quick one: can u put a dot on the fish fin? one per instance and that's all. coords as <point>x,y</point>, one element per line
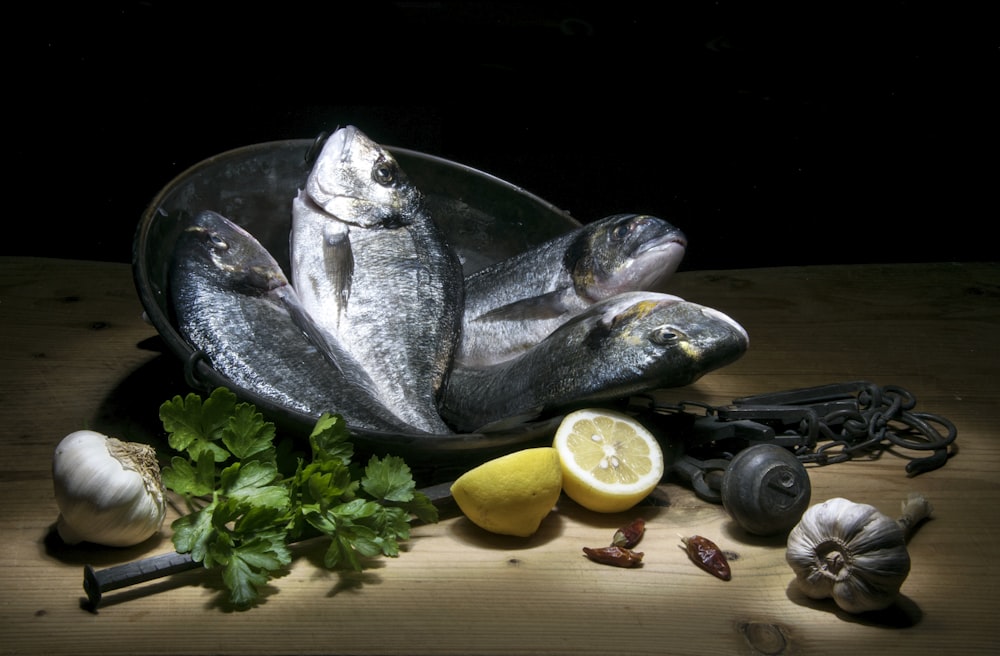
<point>329,344</point>
<point>544,306</point>
<point>338,259</point>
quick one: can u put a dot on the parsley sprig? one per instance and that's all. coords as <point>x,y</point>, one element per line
<point>249,499</point>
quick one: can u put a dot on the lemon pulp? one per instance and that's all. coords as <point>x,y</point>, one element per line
<point>610,461</point>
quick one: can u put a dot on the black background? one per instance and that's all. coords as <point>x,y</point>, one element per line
<point>771,135</point>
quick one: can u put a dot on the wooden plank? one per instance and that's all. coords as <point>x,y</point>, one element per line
<point>76,353</point>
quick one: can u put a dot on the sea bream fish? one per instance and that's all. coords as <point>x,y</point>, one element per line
<point>513,304</point>
<point>372,267</point>
<point>628,344</point>
<point>233,303</point>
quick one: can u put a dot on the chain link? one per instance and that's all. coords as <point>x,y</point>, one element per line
<point>821,425</point>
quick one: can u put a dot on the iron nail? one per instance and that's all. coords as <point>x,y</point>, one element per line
<point>97,582</point>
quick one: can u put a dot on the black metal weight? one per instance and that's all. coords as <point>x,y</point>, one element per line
<point>766,489</point>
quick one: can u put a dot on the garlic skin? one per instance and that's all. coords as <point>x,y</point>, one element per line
<point>852,552</point>
<point>108,491</point>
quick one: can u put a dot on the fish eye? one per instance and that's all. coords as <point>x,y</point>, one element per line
<point>218,242</point>
<point>621,230</point>
<point>384,173</point>
<point>664,335</point>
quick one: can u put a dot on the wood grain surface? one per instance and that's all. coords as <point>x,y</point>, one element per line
<point>76,353</point>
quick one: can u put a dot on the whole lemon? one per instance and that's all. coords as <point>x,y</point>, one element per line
<point>512,494</point>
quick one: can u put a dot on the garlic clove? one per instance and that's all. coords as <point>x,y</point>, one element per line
<point>108,491</point>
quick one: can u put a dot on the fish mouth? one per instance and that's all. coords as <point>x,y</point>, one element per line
<point>273,279</point>
<point>721,342</point>
<point>340,142</point>
<point>264,277</point>
<point>671,240</point>
<point>354,201</point>
<point>653,262</point>
<point>734,325</point>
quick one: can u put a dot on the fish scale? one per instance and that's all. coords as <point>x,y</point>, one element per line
<point>515,303</point>
<point>233,303</point>
<point>632,343</point>
<point>389,287</point>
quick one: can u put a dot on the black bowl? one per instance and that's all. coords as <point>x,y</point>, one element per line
<point>484,219</point>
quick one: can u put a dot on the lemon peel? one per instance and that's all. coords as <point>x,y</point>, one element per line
<point>511,494</point>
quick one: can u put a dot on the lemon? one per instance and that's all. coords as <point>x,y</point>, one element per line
<point>610,462</point>
<point>512,494</point>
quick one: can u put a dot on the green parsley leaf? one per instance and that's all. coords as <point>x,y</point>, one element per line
<point>422,508</point>
<point>247,435</point>
<point>193,532</point>
<point>329,439</point>
<point>228,454</point>
<point>250,566</point>
<point>250,482</point>
<point>243,581</point>
<point>194,426</point>
<point>350,544</point>
<point>190,479</point>
<point>388,479</point>
<point>393,525</point>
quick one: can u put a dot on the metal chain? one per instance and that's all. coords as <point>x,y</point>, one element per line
<point>821,425</point>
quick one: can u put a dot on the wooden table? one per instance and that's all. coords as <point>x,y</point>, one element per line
<point>76,353</point>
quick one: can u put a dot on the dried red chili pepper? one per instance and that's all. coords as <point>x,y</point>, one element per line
<point>613,555</point>
<point>707,556</point>
<point>629,535</point>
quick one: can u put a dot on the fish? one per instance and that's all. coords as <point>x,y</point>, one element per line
<point>372,266</point>
<point>234,304</point>
<point>629,344</point>
<point>516,302</point>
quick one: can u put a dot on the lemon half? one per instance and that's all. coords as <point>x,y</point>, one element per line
<point>610,462</point>
<point>512,494</point>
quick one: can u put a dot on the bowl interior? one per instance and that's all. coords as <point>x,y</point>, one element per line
<point>485,219</point>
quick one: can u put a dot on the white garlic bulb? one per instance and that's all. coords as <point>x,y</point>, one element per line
<point>853,553</point>
<point>108,491</point>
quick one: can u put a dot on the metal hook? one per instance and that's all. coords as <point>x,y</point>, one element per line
<point>315,148</point>
<point>705,476</point>
<point>191,369</point>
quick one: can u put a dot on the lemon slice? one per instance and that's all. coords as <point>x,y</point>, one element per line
<point>610,462</point>
<point>512,494</point>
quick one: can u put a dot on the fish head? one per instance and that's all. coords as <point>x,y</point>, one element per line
<point>665,340</point>
<point>357,181</point>
<point>625,252</point>
<point>231,254</point>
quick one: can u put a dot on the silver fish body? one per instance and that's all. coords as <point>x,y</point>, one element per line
<point>233,303</point>
<point>515,303</point>
<point>372,267</point>
<point>629,344</point>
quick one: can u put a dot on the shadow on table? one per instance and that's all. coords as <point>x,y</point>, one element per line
<point>132,410</point>
<point>902,614</point>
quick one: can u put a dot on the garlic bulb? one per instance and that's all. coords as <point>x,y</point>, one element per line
<point>852,552</point>
<point>108,491</point>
